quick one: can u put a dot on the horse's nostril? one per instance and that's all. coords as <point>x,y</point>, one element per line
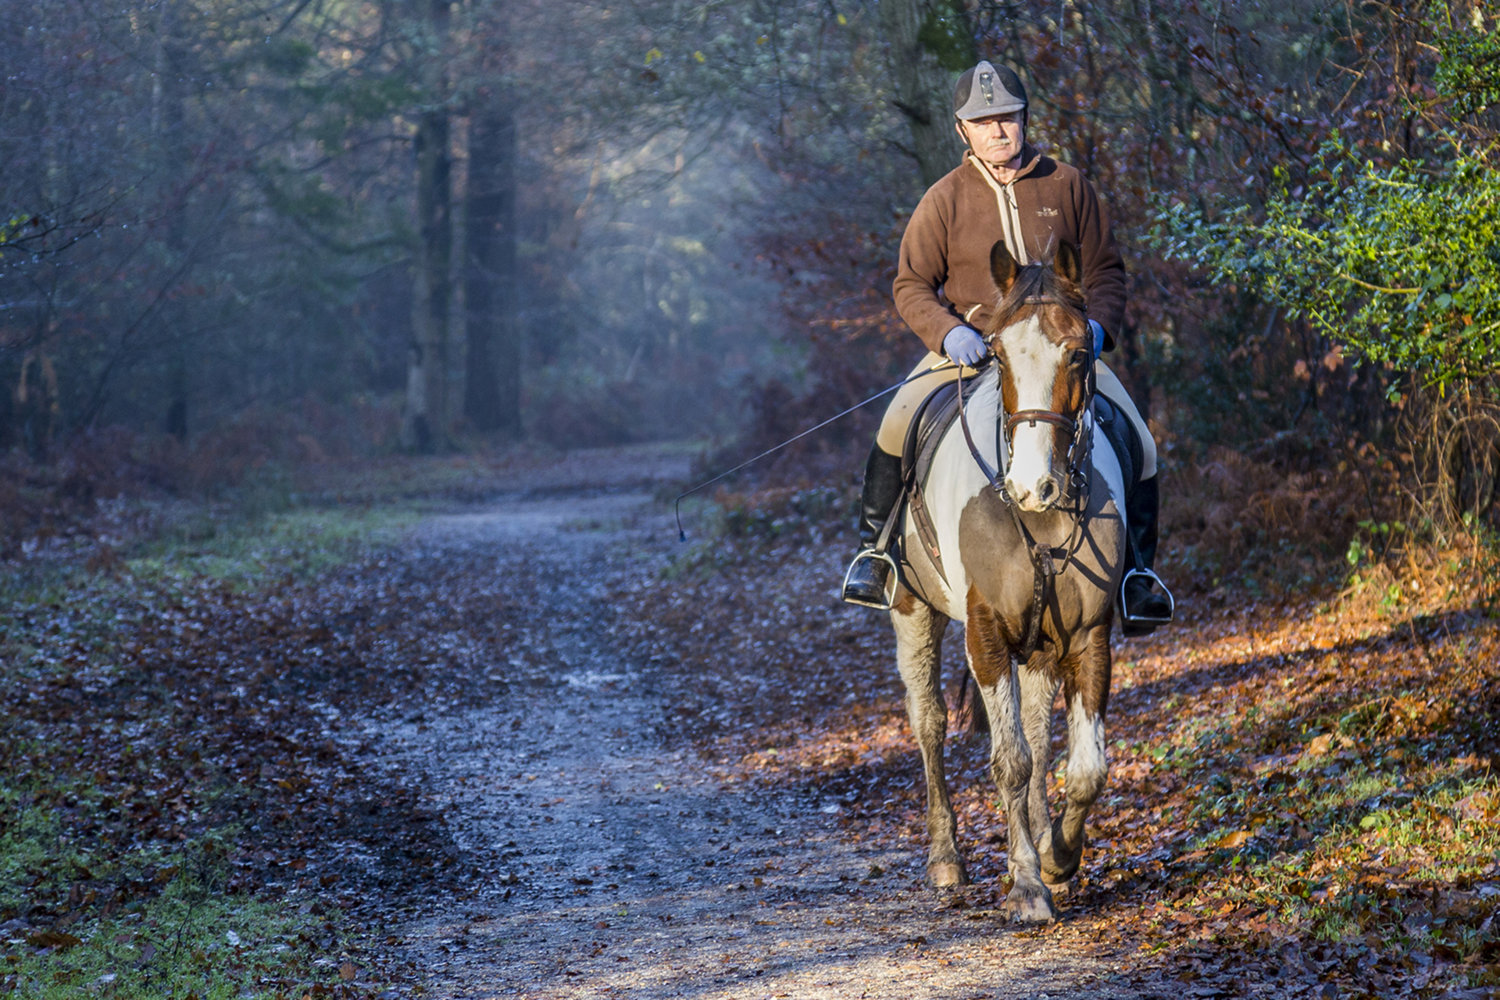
<point>1047,492</point>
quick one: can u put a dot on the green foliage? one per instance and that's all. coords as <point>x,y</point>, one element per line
<point>947,34</point>
<point>1400,264</point>
<point>1469,72</point>
<point>188,939</point>
<point>10,229</point>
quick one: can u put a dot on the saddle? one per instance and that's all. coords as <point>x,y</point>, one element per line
<point>937,413</point>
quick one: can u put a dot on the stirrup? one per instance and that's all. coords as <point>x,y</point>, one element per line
<point>1132,620</point>
<point>892,579</point>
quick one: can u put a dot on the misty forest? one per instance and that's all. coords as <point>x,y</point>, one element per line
<point>353,353</point>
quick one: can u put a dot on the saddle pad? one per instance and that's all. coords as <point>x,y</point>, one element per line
<point>1119,430</point>
<point>934,416</point>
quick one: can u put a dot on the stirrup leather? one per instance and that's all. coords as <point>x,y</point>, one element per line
<point>1131,616</point>
<point>892,579</point>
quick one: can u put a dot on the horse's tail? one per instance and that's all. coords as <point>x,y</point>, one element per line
<point>972,720</point>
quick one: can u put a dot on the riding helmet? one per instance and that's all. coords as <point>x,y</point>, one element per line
<point>988,90</point>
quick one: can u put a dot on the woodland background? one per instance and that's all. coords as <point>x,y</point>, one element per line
<point>279,278</point>
<point>234,236</point>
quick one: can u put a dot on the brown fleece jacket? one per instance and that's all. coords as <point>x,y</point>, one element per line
<point>943,276</point>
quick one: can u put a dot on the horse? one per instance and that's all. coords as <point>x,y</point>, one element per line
<point>1030,564</point>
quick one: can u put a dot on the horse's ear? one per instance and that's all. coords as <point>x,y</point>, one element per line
<point>1003,267</point>
<point>1068,263</point>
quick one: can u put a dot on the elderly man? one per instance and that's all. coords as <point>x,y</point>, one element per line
<point>1003,189</point>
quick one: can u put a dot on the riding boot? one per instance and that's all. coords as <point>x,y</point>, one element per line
<point>1144,603</point>
<point>865,582</point>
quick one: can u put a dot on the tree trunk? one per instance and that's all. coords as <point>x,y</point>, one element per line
<point>168,126</point>
<point>923,88</point>
<point>425,422</point>
<point>492,389</point>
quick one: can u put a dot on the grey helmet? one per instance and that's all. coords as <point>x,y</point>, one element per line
<point>987,90</point>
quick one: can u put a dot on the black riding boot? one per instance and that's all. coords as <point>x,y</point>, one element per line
<point>1144,597</point>
<point>865,582</point>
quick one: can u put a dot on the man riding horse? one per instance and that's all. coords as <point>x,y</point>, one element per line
<point>1003,189</point>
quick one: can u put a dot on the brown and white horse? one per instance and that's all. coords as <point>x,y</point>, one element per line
<point>1030,565</point>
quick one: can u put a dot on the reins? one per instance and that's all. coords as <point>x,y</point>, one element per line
<point>1043,565</point>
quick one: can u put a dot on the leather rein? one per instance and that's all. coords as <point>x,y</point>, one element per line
<point>1080,459</point>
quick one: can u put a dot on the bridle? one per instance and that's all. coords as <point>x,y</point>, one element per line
<point>1080,445</point>
<point>1079,449</point>
<point>1044,558</point>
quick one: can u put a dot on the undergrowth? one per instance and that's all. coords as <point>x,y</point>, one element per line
<point>129,833</point>
<point>1303,797</point>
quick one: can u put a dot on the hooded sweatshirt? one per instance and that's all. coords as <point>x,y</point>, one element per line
<point>943,276</point>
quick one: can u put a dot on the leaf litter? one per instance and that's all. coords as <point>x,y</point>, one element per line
<point>1301,802</point>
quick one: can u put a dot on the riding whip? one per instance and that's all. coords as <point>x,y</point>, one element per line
<point>677,504</point>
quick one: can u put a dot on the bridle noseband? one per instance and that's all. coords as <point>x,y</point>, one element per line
<point>1078,449</point>
<point>1030,417</point>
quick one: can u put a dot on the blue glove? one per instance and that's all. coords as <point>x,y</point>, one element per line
<point>964,345</point>
<point>1098,332</point>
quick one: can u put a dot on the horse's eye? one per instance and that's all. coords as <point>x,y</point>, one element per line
<point>1082,358</point>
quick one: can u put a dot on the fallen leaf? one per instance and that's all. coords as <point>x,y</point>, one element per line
<point>1481,807</point>
<point>1231,841</point>
<point>61,940</point>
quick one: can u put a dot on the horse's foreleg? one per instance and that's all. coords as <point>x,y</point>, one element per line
<point>1038,689</point>
<point>1010,764</point>
<point>1087,693</point>
<point>919,632</point>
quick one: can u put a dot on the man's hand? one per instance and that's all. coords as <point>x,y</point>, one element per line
<point>964,345</point>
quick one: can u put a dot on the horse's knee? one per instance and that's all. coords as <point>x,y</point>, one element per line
<point>1010,766</point>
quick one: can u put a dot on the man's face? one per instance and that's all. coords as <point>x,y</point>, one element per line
<point>997,139</point>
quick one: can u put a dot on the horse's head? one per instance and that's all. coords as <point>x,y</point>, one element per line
<point>1041,338</point>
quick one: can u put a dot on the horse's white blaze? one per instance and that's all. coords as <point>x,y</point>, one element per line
<point>1087,766</point>
<point>1033,362</point>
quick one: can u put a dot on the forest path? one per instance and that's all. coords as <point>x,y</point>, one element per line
<point>614,861</point>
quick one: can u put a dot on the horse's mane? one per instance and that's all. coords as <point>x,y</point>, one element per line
<point>1036,283</point>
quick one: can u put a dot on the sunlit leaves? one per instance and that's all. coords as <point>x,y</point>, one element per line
<point>1284,782</point>
<point>1469,73</point>
<point>1400,264</point>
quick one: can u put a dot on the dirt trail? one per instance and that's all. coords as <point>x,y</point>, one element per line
<point>613,862</point>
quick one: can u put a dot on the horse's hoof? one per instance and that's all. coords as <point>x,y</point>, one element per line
<point>947,874</point>
<point>1028,905</point>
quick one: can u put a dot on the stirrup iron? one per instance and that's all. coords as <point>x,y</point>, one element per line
<point>1129,616</point>
<point>892,579</point>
